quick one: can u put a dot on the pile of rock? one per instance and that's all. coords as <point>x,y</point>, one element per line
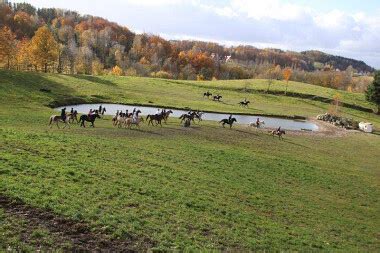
<point>339,121</point>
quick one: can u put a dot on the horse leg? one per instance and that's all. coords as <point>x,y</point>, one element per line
<point>57,124</point>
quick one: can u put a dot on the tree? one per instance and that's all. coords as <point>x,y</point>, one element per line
<point>43,48</point>
<point>373,91</point>
<point>287,74</point>
<point>7,46</point>
<point>23,56</point>
<point>271,73</point>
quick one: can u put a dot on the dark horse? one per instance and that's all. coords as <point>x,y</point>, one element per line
<point>217,98</point>
<point>189,116</point>
<point>244,103</point>
<point>207,94</point>
<point>156,117</point>
<point>228,121</point>
<point>89,118</point>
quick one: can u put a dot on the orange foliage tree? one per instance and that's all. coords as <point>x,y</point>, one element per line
<point>7,46</point>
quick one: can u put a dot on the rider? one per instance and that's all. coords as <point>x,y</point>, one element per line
<point>63,114</point>
<point>258,122</point>
<point>100,108</point>
<point>278,129</point>
<point>158,111</point>
<point>229,118</point>
<point>72,110</point>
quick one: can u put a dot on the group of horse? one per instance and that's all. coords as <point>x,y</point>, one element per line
<point>218,98</point>
<point>127,120</point>
<point>72,117</point>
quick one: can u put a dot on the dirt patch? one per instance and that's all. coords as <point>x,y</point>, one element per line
<point>325,130</point>
<point>77,233</point>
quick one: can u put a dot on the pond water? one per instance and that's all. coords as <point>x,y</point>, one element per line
<point>270,122</point>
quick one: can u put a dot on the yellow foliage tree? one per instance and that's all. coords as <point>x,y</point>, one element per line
<point>23,56</point>
<point>7,46</point>
<point>287,74</point>
<point>43,48</point>
<point>117,71</point>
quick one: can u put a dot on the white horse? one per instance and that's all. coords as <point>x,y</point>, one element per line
<point>256,124</point>
<point>57,118</point>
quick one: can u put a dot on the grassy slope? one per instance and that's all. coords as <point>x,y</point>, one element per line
<point>189,188</point>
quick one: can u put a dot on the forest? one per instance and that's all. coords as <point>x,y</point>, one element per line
<point>64,41</point>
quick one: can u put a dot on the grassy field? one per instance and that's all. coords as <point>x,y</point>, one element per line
<point>175,188</point>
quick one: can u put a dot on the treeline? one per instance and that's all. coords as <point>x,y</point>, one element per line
<point>62,41</point>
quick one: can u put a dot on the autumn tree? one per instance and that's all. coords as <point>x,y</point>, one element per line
<point>7,46</point>
<point>373,91</point>
<point>23,55</point>
<point>43,48</point>
<point>287,74</point>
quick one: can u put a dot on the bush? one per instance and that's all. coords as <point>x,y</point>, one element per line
<point>117,71</point>
<point>162,74</point>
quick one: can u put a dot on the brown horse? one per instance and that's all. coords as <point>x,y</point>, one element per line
<point>56,119</point>
<point>244,103</point>
<point>278,133</point>
<point>228,122</point>
<point>156,117</point>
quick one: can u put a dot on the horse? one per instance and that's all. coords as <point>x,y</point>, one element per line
<point>256,124</point>
<point>207,94</point>
<point>166,115</point>
<point>73,116</point>
<point>199,116</point>
<point>89,118</point>
<point>119,120</point>
<point>133,120</point>
<point>155,117</point>
<point>58,118</point>
<point>278,133</point>
<point>217,98</point>
<point>228,121</point>
<point>244,103</point>
<point>189,116</point>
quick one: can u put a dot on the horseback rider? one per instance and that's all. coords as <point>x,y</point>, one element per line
<point>104,110</point>
<point>258,122</point>
<point>63,114</point>
<point>100,108</point>
<point>279,129</point>
<point>229,118</point>
<point>90,112</point>
<point>158,111</point>
<point>72,110</point>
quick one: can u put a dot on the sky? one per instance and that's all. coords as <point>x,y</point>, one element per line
<point>349,28</point>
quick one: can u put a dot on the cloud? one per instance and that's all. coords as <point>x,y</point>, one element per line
<point>274,23</point>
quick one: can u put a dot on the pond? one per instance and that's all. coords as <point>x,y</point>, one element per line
<point>270,122</point>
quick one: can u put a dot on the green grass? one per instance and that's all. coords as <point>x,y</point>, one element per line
<point>204,187</point>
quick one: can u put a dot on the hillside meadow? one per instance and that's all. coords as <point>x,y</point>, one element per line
<point>202,187</point>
